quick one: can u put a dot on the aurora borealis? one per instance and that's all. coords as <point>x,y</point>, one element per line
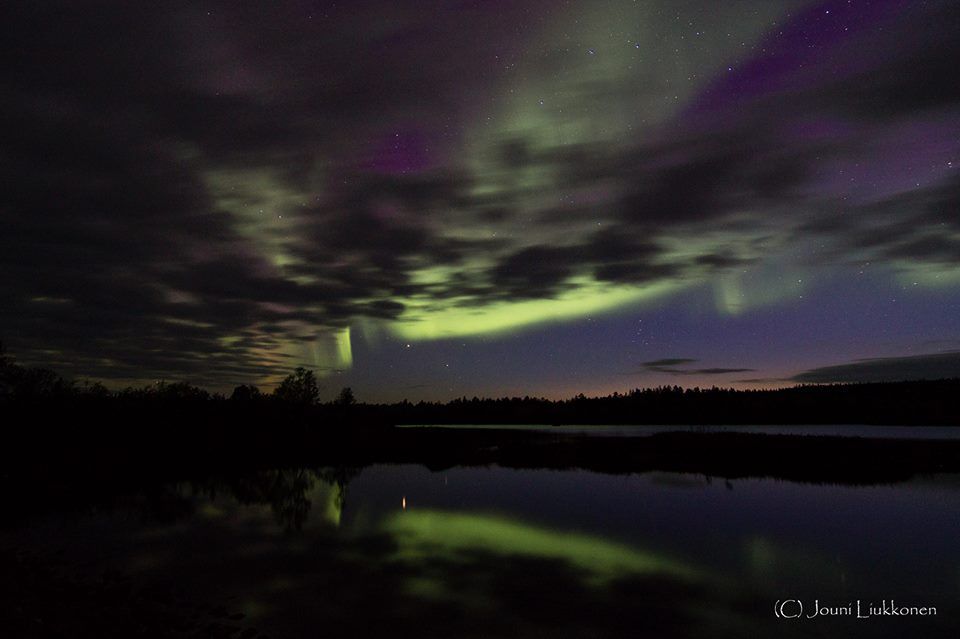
<point>432,199</point>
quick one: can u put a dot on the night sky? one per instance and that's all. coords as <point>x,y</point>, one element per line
<point>431,199</point>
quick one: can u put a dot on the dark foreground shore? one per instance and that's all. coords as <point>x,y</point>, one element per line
<point>151,467</point>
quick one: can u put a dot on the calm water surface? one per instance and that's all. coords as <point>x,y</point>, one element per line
<point>631,430</point>
<point>490,552</point>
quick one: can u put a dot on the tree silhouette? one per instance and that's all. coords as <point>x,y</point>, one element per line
<point>245,393</point>
<point>6,373</point>
<point>299,387</point>
<point>179,391</point>
<point>346,397</point>
<point>90,389</point>
<point>24,383</point>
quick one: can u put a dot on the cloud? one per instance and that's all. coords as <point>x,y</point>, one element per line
<point>668,366</point>
<point>674,361</point>
<point>886,369</point>
<point>762,380</point>
<point>208,191</point>
<point>913,229</point>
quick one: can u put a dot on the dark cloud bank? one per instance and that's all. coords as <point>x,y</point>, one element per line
<point>887,369</point>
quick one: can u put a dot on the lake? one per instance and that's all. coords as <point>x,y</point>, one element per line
<point>398,550</point>
<point>644,430</point>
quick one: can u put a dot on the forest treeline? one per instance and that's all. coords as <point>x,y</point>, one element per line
<point>928,402</point>
<point>66,440</point>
